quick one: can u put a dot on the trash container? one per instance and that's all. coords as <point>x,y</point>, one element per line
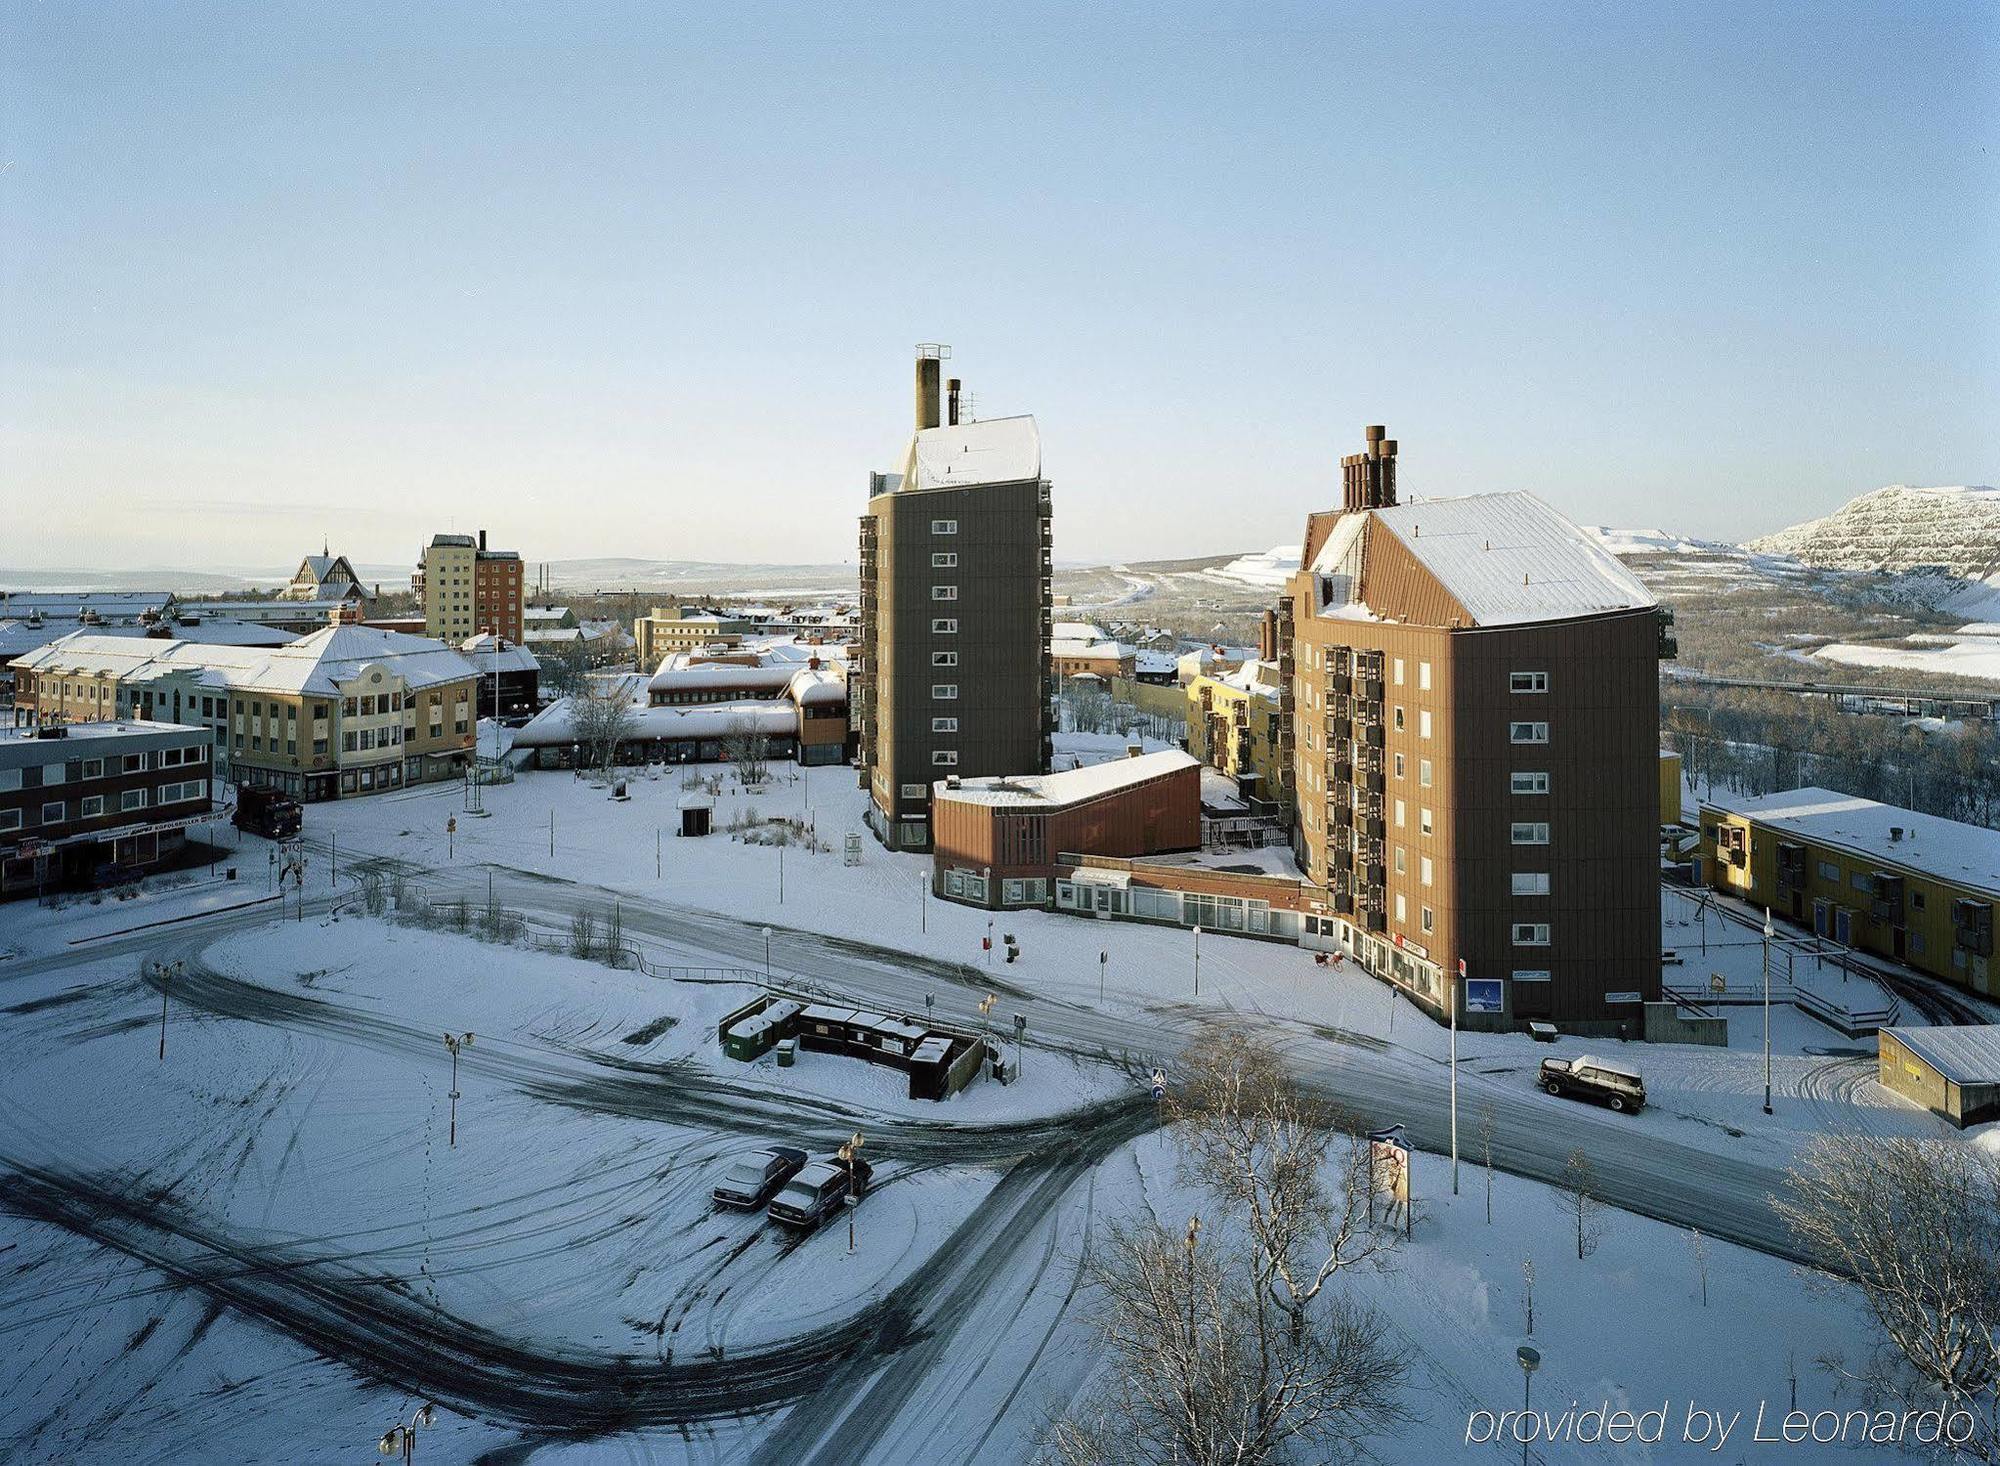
<point>788,1052</point>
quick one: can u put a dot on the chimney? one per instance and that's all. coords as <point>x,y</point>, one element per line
<point>1368,480</point>
<point>1267,637</point>
<point>951,402</point>
<point>482,542</point>
<point>930,371</point>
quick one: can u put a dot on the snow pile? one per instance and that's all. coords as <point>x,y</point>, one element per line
<point>1271,567</point>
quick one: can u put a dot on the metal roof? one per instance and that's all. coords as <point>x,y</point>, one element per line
<point>1967,1053</point>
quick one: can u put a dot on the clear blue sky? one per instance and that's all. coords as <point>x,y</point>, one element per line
<point>616,280</point>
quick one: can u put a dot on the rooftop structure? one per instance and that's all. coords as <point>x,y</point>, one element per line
<point>1071,786</point>
<point>1967,855</point>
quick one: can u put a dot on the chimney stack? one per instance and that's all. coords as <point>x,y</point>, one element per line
<point>951,402</point>
<point>482,541</point>
<point>930,371</point>
<point>1368,480</point>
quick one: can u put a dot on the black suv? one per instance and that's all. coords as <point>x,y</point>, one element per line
<point>1584,1077</point>
<point>754,1179</point>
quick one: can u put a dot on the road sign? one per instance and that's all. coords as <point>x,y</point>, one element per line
<point>1159,1084</point>
<point>1716,983</point>
<point>1020,1025</point>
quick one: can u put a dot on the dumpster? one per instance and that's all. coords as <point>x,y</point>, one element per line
<point>788,1050</point>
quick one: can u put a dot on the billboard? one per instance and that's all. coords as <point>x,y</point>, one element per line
<point>1484,995</point>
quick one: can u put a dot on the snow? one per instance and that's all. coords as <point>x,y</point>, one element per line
<point>1962,1053</point>
<point>1071,786</point>
<point>1975,656</point>
<point>1270,568</point>
<point>1967,855</point>
<point>551,727</point>
<point>998,450</point>
<point>1902,528</point>
<point>319,663</point>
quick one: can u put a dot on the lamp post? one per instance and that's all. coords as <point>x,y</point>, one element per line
<point>1103,958</point>
<point>455,1042</point>
<point>1530,1360</point>
<point>166,970</point>
<point>850,1152</point>
<point>401,1440</point>
<point>1768,933</point>
<point>1197,962</point>
<point>767,954</point>
<point>923,904</point>
<point>1455,989</point>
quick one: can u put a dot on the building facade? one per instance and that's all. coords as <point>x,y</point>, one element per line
<point>468,590</point>
<point>952,672</point>
<point>1471,713</point>
<point>671,629</point>
<point>1911,887</point>
<point>324,577</point>
<point>1234,724</point>
<point>82,801</point>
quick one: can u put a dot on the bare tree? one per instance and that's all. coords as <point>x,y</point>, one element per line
<point>600,724</point>
<point>1486,1151</point>
<point>1233,1347</point>
<point>1528,1291</point>
<point>1698,1247</point>
<point>582,935</point>
<point>567,669</point>
<point>1576,1194</point>
<point>1915,1224</point>
<point>748,750</point>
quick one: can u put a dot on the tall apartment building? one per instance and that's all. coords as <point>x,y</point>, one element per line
<point>468,590</point>
<point>952,676</point>
<point>1471,717</point>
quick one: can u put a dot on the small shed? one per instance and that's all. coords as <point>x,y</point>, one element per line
<point>697,813</point>
<point>1953,1071</point>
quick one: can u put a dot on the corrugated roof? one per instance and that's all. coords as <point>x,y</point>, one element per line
<point>1072,786</point>
<point>997,450</point>
<point>317,663</point>
<point>1966,1053</point>
<point>551,727</point>
<point>1966,855</point>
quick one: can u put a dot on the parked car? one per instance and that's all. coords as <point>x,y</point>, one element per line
<point>754,1179</point>
<point>817,1192</point>
<point>1604,1080</point>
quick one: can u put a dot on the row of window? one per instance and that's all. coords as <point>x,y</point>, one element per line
<point>43,776</point>
<point>93,806</point>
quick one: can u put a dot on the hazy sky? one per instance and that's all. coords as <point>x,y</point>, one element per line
<point>637,280</point>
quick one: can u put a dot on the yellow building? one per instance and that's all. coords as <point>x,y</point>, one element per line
<point>1670,787</point>
<point>1233,724</point>
<point>673,629</point>
<point>1908,886</point>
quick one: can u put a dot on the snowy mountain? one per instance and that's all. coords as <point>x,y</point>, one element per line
<point>1900,528</point>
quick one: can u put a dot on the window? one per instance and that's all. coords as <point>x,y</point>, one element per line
<point>53,811</point>
<point>1402,910</point>
<point>10,819</point>
<point>944,592</point>
<point>132,799</point>
<point>944,526</point>
<point>93,806</point>
<point>1531,933</point>
<point>1424,772</point>
<point>1424,820</point>
<point>944,725</point>
<point>1399,814</point>
<point>1424,720</point>
<point>132,763</point>
<point>1527,682</point>
<point>1401,861</point>
<point>944,626</point>
<point>1399,766</point>
<point>1424,871</point>
<point>10,779</point>
<point>1527,783</point>
<point>944,560</point>
<point>1423,676</point>
<point>944,691</point>
<point>1429,922</point>
<point>915,791</point>
<point>1396,718</point>
<point>1530,833</point>
<point>1531,883</point>
<point>1829,870</point>
<point>1399,671</point>
<point>1527,732</point>
<point>53,773</point>
<point>944,659</point>
<point>944,757</point>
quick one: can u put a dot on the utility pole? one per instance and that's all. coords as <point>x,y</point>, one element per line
<point>1102,959</point>
<point>923,904</point>
<point>1768,932</point>
<point>1456,988</point>
<point>455,1042</point>
<point>552,834</point>
<point>1197,962</point>
<point>166,972</point>
<point>656,852</point>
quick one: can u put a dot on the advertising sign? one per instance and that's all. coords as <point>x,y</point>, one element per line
<point>1484,995</point>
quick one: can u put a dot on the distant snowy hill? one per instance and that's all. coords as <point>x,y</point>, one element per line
<point>1956,530</point>
<point>1270,568</point>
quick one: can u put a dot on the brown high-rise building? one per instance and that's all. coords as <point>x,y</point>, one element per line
<point>956,587</point>
<point>1470,694</point>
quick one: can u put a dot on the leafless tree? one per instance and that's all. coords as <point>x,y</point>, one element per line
<point>1576,1194</point>
<point>1915,1225</point>
<point>567,669</point>
<point>1233,1347</point>
<point>748,750</point>
<point>1698,1247</point>
<point>1486,1151</point>
<point>1528,1291</point>
<point>614,937</point>
<point>600,724</point>
<point>582,935</point>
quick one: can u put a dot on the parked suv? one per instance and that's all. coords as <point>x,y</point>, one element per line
<point>1604,1080</point>
<point>813,1195</point>
<point>754,1179</point>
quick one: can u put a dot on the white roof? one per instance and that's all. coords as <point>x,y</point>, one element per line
<point>1967,855</point>
<point>1964,1053</point>
<point>551,727</point>
<point>722,677</point>
<point>1072,786</point>
<point>1078,631</point>
<point>1154,662</point>
<point>317,663</point>
<point>998,450</point>
<point>486,650</point>
<point>1507,558</point>
<point>110,604</point>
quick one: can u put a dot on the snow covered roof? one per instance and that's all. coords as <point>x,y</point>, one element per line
<point>552,728</point>
<point>1072,786</point>
<point>1966,855</point>
<point>819,687</point>
<point>1078,631</point>
<point>318,663</point>
<point>1508,559</point>
<point>721,677</point>
<point>490,653</point>
<point>1145,661</point>
<point>1967,1053</point>
<point>997,450</point>
<point>112,605</point>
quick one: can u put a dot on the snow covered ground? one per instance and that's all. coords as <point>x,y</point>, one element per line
<point>1970,654</point>
<point>266,1247</point>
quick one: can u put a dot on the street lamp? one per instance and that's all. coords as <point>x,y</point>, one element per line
<point>166,970</point>
<point>850,1152</point>
<point>767,954</point>
<point>401,1440</point>
<point>1530,1360</point>
<point>455,1042</point>
<point>1197,962</point>
<point>1768,933</point>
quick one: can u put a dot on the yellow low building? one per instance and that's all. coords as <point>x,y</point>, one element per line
<point>1670,787</point>
<point>1903,885</point>
<point>1233,725</point>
